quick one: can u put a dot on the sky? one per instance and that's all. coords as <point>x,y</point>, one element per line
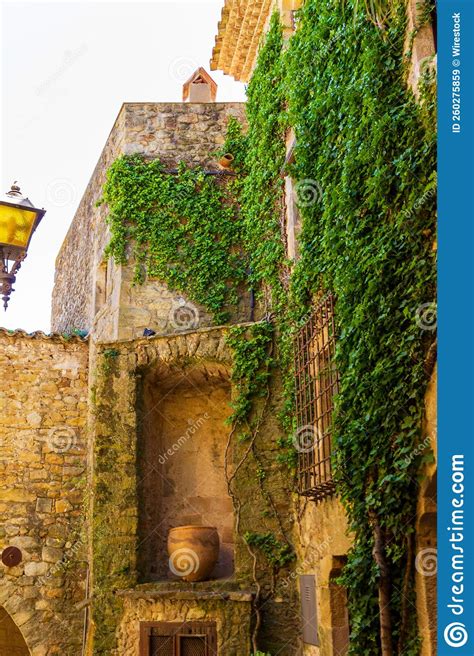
<point>66,68</point>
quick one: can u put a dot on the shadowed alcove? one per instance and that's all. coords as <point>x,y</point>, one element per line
<point>11,639</point>
<point>182,437</point>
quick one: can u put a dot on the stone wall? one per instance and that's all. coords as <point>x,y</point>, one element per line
<point>93,294</point>
<point>43,402</point>
<point>322,541</point>
<point>260,505</point>
<point>230,610</point>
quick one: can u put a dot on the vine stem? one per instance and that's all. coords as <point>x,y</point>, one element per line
<point>384,588</point>
<point>405,592</point>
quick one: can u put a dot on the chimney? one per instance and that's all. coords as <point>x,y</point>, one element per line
<point>200,88</point>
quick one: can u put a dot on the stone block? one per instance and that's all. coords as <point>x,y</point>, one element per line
<point>44,505</point>
<point>36,569</point>
<point>52,554</point>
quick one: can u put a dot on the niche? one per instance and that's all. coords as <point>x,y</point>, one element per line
<point>338,608</point>
<point>182,438</point>
<point>11,639</point>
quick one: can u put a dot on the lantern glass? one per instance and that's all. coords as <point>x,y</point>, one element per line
<point>16,225</point>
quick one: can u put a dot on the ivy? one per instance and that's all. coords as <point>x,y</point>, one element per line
<point>279,554</point>
<point>364,164</point>
<point>183,227</point>
<point>260,157</point>
<point>251,366</point>
<point>365,150</point>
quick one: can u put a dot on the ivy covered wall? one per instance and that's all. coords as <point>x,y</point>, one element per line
<point>364,175</point>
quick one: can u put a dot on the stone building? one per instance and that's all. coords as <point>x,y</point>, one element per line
<point>125,436</point>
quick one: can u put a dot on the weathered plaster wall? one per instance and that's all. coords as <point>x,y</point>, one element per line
<point>91,294</point>
<point>322,540</point>
<point>182,437</point>
<point>43,399</point>
<point>420,44</point>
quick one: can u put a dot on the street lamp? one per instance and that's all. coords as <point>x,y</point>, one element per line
<point>18,221</point>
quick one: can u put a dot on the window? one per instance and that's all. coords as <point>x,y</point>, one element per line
<point>178,639</point>
<point>316,385</point>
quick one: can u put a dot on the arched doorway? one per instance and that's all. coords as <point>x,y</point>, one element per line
<point>11,640</point>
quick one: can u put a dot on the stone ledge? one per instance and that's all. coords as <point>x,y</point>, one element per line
<point>188,591</point>
<point>170,336</point>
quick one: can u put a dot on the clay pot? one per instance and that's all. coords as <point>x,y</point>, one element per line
<point>193,551</point>
<point>226,160</point>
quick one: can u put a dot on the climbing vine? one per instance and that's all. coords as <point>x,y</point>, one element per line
<point>364,170</point>
<point>260,157</point>
<point>364,167</point>
<point>184,230</point>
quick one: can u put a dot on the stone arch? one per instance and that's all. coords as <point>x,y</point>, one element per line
<point>21,611</point>
<point>12,641</point>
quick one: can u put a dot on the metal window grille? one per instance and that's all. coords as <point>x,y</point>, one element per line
<point>178,639</point>
<point>316,385</point>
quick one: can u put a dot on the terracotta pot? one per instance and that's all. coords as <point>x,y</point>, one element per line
<point>226,160</point>
<point>193,551</point>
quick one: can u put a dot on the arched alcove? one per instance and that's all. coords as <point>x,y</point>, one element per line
<point>182,436</point>
<point>11,639</point>
<point>340,629</point>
